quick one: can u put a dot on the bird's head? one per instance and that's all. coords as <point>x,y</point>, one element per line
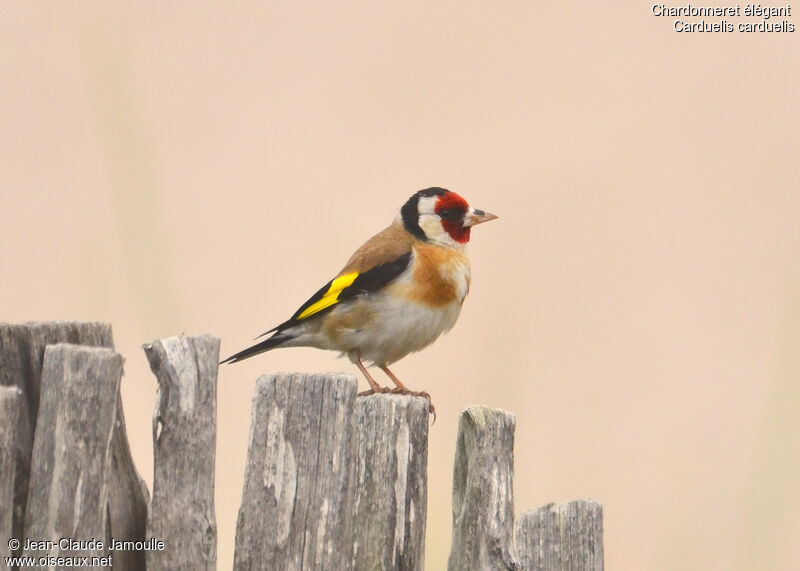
<point>441,216</point>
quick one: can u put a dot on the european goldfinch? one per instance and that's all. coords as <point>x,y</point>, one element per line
<point>396,295</point>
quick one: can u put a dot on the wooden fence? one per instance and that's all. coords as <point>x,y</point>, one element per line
<point>331,482</point>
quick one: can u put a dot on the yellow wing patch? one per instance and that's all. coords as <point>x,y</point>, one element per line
<point>330,297</point>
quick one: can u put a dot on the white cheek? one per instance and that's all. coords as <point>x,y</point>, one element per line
<point>432,226</point>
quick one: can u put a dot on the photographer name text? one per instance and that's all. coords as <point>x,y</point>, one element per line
<point>67,543</point>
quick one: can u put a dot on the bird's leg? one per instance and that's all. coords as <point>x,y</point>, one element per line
<point>402,390</point>
<point>373,386</point>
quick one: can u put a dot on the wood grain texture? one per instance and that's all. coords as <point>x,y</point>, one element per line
<point>562,537</point>
<point>483,498</point>
<point>10,405</point>
<point>391,482</point>
<point>181,512</point>
<point>72,446</point>
<point>22,349</point>
<point>21,355</point>
<point>296,510</point>
<point>333,482</point>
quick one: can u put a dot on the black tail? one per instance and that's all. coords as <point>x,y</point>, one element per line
<point>267,344</point>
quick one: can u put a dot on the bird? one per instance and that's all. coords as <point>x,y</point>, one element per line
<point>398,292</point>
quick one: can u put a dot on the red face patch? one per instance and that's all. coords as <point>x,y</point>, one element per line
<point>451,208</point>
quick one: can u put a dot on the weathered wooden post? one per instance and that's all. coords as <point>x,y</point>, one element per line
<point>295,511</point>
<point>391,491</point>
<point>72,448</point>
<point>22,349</point>
<point>333,482</point>
<point>483,492</point>
<point>10,405</point>
<point>181,512</point>
<point>562,537</point>
<point>21,354</point>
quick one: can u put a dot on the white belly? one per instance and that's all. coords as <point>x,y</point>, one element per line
<point>402,328</point>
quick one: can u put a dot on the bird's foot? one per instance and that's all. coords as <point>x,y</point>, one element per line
<point>423,394</point>
<point>409,392</point>
<point>380,390</point>
<point>403,391</point>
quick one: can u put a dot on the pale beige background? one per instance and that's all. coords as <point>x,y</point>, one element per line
<point>204,169</point>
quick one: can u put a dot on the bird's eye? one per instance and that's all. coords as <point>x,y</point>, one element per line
<point>449,214</point>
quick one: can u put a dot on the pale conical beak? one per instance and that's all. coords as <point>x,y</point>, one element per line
<point>477,217</point>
